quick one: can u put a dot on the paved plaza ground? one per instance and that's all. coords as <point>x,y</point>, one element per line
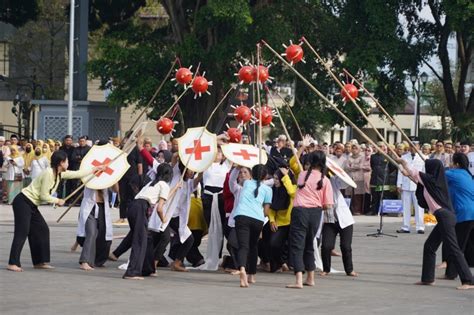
<point>388,268</point>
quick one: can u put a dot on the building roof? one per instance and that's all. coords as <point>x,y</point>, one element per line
<point>409,109</point>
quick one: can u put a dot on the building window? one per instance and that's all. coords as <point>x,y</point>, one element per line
<point>4,59</point>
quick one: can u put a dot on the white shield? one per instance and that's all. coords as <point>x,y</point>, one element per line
<point>197,149</point>
<point>339,172</point>
<point>113,157</point>
<point>244,154</point>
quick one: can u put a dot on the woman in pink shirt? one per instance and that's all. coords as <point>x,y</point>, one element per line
<point>432,193</point>
<point>313,195</point>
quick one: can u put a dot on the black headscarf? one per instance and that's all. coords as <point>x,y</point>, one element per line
<point>167,155</point>
<point>280,197</point>
<point>434,180</point>
<point>274,163</point>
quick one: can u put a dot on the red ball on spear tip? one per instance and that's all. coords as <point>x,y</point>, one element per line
<point>242,114</point>
<point>263,74</point>
<point>234,135</point>
<point>183,76</point>
<point>165,125</point>
<point>200,85</point>
<point>245,75</point>
<point>266,116</point>
<point>293,53</point>
<point>349,89</point>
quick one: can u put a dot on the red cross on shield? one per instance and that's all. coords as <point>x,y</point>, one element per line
<point>197,149</point>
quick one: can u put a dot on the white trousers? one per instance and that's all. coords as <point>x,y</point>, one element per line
<point>409,199</point>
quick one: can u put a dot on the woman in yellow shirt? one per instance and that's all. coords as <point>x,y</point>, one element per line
<point>29,223</point>
<point>284,190</point>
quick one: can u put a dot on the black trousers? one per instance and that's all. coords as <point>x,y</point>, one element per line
<point>463,232</point>
<point>329,233</point>
<point>278,247</point>
<point>29,223</point>
<point>248,231</point>
<point>179,250</point>
<point>194,256</point>
<point>375,203</point>
<point>128,189</point>
<point>444,232</point>
<point>303,229</point>
<point>124,245</point>
<point>264,244</point>
<point>367,203</point>
<point>139,230</point>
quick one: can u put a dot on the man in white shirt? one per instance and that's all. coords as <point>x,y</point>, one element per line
<point>465,148</point>
<point>407,189</point>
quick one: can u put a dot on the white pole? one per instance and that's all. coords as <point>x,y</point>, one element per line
<point>71,68</point>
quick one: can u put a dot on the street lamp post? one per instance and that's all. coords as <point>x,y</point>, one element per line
<point>22,107</point>
<point>421,80</point>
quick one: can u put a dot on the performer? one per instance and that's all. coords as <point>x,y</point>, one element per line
<point>337,220</point>
<point>432,193</point>
<point>461,190</point>
<point>94,230</point>
<point>29,223</point>
<point>284,191</point>
<point>253,204</point>
<point>156,193</point>
<point>313,195</point>
<point>237,177</point>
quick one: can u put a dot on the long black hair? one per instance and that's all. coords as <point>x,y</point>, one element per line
<point>56,159</point>
<point>317,160</point>
<point>164,172</point>
<point>462,160</point>
<point>259,172</point>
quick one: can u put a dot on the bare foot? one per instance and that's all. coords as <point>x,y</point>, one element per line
<point>424,283</point>
<point>443,265</point>
<point>133,278</point>
<point>335,253</point>
<point>309,283</point>
<point>243,279</point>
<point>153,275</point>
<point>323,274</point>
<point>85,266</point>
<point>285,268</point>
<point>230,270</point>
<point>43,266</point>
<point>176,266</point>
<point>265,267</point>
<point>294,286</point>
<point>466,287</point>
<point>74,247</point>
<point>14,268</point>
<point>251,279</point>
<point>235,273</point>
<point>353,274</point>
<point>112,257</point>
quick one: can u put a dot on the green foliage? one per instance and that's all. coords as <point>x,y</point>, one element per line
<point>135,55</point>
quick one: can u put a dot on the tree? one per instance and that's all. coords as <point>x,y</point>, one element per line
<point>449,18</point>
<point>39,46</point>
<point>134,56</point>
<point>17,12</point>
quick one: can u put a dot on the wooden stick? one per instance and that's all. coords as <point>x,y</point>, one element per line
<point>292,115</point>
<point>328,69</point>
<point>70,206</point>
<point>392,120</point>
<point>315,90</point>
<point>155,95</point>
<point>260,134</point>
<point>286,131</point>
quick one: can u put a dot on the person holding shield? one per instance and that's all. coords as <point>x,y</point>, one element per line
<point>29,223</point>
